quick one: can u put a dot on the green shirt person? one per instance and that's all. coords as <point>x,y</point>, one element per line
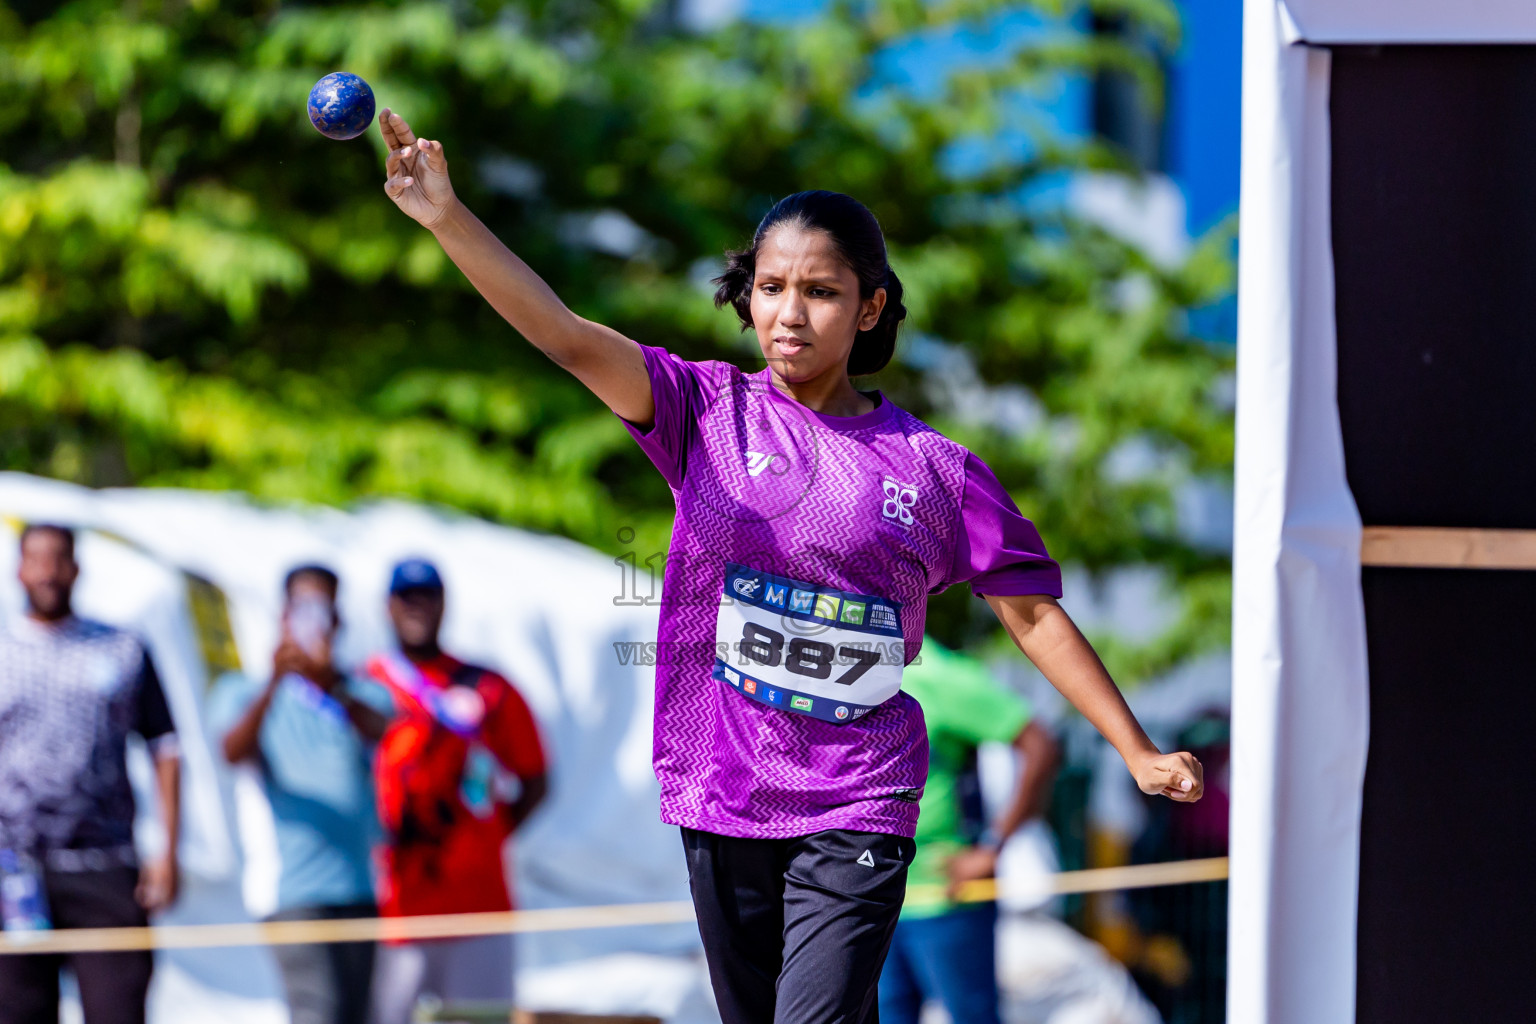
<point>945,950</point>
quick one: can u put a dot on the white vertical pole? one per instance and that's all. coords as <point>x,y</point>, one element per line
<point>1300,693</point>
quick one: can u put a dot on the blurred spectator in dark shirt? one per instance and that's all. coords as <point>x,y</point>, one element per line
<point>310,732</point>
<point>71,691</point>
<point>459,769</point>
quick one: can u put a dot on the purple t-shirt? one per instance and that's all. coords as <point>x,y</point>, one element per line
<point>803,554</point>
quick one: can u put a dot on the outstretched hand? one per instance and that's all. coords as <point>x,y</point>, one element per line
<point>969,865</point>
<point>1176,776</point>
<point>417,172</point>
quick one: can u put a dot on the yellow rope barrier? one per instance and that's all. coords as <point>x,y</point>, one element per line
<point>1133,876</point>
<point>443,926</point>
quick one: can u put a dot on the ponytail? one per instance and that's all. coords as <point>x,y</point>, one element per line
<point>872,349</point>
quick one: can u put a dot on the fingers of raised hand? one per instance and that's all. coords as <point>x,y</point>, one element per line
<point>397,134</point>
<point>401,161</point>
<point>434,153</point>
<point>392,144</point>
<point>397,184</point>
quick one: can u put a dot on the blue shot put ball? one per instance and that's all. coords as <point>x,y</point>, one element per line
<point>341,106</point>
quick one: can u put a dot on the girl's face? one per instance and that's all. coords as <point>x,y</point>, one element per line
<point>805,304</point>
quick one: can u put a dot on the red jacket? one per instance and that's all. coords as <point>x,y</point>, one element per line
<point>443,793</point>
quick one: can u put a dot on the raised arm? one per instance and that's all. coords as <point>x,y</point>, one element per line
<point>1049,638</point>
<point>608,363</point>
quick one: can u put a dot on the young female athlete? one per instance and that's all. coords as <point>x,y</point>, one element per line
<point>813,521</point>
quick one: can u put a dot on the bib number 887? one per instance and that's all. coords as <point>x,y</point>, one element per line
<point>810,658</point>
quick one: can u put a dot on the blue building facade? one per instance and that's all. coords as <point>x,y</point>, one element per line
<point>1192,143</point>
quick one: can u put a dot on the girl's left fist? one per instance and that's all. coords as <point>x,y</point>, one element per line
<point>1176,776</point>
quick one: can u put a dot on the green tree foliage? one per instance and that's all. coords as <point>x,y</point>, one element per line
<point>196,289</point>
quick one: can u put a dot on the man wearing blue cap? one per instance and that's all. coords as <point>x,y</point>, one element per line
<point>458,769</point>
<point>308,731</point>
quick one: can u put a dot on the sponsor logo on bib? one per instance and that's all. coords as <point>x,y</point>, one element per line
<point>797,646</point>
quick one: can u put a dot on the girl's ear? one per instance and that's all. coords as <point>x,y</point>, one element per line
<point>870,309</point>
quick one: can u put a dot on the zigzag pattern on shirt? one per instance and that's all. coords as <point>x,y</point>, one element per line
<point>816,514</point>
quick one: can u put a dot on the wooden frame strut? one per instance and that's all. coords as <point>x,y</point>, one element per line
<point>1435,547</point>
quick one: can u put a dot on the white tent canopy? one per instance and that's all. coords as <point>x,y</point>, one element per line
<point>541,609</point>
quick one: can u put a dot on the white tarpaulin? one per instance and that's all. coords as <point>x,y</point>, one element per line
<point>1379,22</point>
<point>1299,685</point>
<point>538,608</point>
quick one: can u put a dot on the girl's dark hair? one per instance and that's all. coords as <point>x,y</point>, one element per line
<point>861,244</point>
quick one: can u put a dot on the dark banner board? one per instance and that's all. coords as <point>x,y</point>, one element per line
<point>1434,238</point>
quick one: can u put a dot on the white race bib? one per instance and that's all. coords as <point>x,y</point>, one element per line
<point>808,649</point>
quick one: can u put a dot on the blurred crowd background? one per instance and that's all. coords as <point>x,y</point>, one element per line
<point>198,293</point>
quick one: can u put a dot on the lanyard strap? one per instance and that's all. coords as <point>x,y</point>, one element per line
<point>459,709</point>
<point>314,698</point>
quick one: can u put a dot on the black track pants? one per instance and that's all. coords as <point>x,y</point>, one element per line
<point>796,930</point>
<point>112,985</point>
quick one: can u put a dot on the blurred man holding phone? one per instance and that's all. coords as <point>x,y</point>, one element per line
<point>309,731</point>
